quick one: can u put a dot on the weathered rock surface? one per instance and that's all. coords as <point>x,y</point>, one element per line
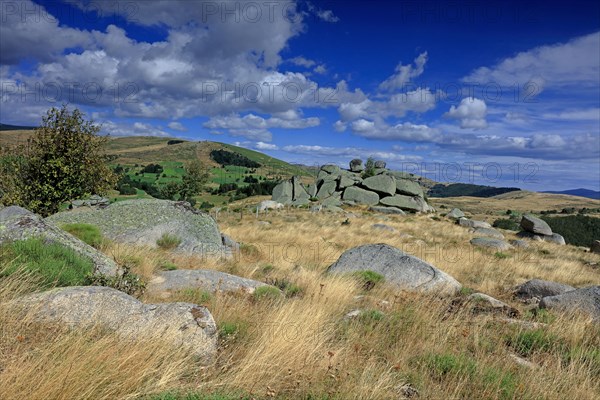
<point>143,222</point>
<point>387,210</point>
<point>455,214</point>
<point>208,280</point>
<point>521,244</point>
<point>326,190</point>
<point>283,193</point>
<point>380,164</point>
<point>93,201</point>
<point>399,269</point>
<point>182,325</point>
<point>404,203</point>
<point>408,187</point>
<point>535,225</point>
<point>595,247</point>
<point>360,196</point>
<point>17,223</point>
<point>383,184</point>
<point>585,300</point>
<point>554,238</point>
<point>538,289</point>
<point>491,243</point>
<point>470,223</point>
<point>356,165</point>
<point>488,232</point>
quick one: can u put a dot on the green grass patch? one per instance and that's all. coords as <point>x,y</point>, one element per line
<point>87,233</point>
<point>526,343</point>
<point>54,264</point>
<point>369,279</point>
<point>267,293</point>
<point>168,241</point>
<point>444,365</point>
<point>501,256</point>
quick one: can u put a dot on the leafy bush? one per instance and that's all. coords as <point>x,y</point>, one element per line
<point>225,157</point>
<point>369,168</point>
<point>250,179</point>
<point>168,241</point>
<point>54,264</point>
<point>467,189</point>
<point>87,233</point>
<point>578,230</point>
<point>509,224</point>
<point>152,169</point>
<point>64,160</point>
<point>288,288</point>
<point>205,205</point>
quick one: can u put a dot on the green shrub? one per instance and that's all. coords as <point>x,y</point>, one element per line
<point>369,278</point>
<point>288,288</point>
<point>370,316</point>
<point>168,241</point>
<point>267,293</point>
<point>578,230</point>
<point>87,233</point>
<point>501,256</point>
<point>509,224</point>
<point>54,264</point>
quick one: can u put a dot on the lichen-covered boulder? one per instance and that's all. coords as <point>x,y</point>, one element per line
<point>326,190</point>
<point>409,187</point>
<point>360,196</point>
<point>400,269</point>
<point>166,282</point>
<point>283,193</point>
<point>535,225</point>
<point>455,214</point>
<point>144,222</point>
<point>17,223</point>
<point>383,184</point>
<point>181,325</point>
<point>356,165</point>
<point>406,203</point>
<point>538,289</point>
<point>585,300</point>
<point>495,244</point>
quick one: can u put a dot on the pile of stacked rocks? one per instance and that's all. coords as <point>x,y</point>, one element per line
<point>94,201</point>
<point>386,191</point>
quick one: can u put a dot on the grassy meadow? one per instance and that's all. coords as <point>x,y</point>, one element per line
<point>297,345</point>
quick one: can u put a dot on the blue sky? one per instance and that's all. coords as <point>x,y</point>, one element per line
<point>498,93</point>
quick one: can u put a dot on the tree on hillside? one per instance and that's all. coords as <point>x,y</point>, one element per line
<point>64,160</point>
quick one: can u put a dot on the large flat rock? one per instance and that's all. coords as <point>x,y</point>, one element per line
<point>181,325</point>
<point>360,196</point>
<point>143,222</point>
<point>400,269</point>
<point>208,280</point>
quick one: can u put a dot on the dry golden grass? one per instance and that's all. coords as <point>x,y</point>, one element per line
<point>521,201</point>
<point>300,347</point>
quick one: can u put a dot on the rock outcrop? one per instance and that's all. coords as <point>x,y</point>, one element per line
<point>17,223</point>
<point>491,243</point>
<point>334,186</point>
<point>144,222</point>
<point>537,229</point>
<point>402,270</point>
<point>182,325</point>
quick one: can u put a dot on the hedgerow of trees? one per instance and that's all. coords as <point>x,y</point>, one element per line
<point>225,157</point>
<point>64,160</point>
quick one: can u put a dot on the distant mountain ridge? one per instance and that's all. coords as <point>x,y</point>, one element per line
<point>581,192</point>
<point>6,127</point>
